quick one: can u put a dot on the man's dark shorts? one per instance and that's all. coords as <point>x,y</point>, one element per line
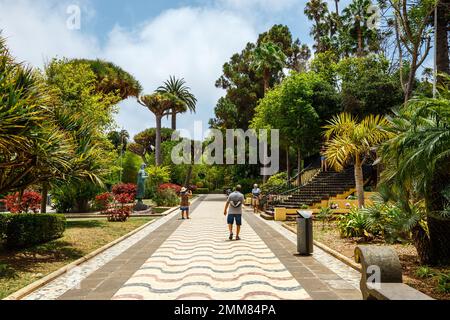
<point>235,217</point>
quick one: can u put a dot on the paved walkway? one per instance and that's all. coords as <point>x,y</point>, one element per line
<point>195,260</point>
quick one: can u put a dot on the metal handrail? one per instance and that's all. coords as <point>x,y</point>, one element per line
<point>281,190</point>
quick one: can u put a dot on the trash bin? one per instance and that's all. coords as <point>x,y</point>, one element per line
<point>305,242</point>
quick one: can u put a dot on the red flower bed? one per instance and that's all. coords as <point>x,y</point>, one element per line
<point>172,186</point>
<point>31,201</point>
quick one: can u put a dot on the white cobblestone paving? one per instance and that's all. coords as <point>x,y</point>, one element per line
<point>350,275</point>
<point>199,262</point>
<point>73,278</point>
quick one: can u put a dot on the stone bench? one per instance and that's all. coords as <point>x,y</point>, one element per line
<point>382,277</point>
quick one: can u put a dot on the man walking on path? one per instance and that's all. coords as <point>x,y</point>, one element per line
<point>234,210</point>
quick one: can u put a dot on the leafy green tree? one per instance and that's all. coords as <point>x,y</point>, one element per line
<point>352,142</point>
<point>84,113</point>
<point>178,88</point>
<point>244,85</point>
<point>131,164</point>
<point>119,140</point>
<point>145,141</point>
<point>299,126</point>
<point>367,87</point>
<point>412,35</point>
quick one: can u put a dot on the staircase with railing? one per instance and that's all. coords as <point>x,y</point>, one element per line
<point>315,186</point>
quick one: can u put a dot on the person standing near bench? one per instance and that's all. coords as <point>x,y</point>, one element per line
<point>233,209</point>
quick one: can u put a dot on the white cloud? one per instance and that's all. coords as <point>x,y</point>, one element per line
<point>264,5</point>
<point>187,42</point>
<point>37,33</point>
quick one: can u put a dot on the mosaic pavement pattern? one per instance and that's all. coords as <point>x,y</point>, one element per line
<point>198,262</point>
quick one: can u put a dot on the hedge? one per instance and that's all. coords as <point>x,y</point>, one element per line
<point>4,218</point>
<point>26,230</point>
<point>201,191</point>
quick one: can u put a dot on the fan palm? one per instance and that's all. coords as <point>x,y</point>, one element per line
<point>178,88</point>
<point>353,142</point>
<point>417,166</point>
<point>161,105</point>
<point>268,59</point>
<point>316,10</point>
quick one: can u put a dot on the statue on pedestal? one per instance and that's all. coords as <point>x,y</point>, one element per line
<point>140,194</point>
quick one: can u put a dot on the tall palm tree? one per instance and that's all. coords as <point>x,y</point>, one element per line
<point>178,88</point>
<point>161,105</point>
<point>317,10</point>
<point>268,59</point>
<point>353,142</point>
<point>355,18</point>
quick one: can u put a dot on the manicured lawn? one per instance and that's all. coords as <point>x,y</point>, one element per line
<point>407,253</point>
<point>20,268</point>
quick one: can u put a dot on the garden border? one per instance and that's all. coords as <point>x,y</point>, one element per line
<point>18,295</point>
<point>330,251</point>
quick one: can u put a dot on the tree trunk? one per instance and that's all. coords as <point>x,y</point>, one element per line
<point>158,159</point>
<point>44,197</point>
<point>337,6</point>
<point>411,78</point>
<point>299,166</point>
<point>438,225</point>
<point>359,182</point>
<point>422,243</point>
<point>442,51</point>
<point>187,182</point>
<point>174,120</point>
<point>439,230</point>
<point>288,167</point>
<point>360,40</point>
<point>266,79</point>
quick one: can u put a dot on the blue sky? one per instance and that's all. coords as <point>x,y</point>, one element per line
<point>152,39</point>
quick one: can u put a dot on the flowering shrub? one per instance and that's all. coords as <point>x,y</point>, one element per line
<point>122,194</point>
<point>119,214</point>
<point>102,201</point>
<point>124,198</point>
<point>171,186</point>
<point>122,188</point>
<point>31,201</point>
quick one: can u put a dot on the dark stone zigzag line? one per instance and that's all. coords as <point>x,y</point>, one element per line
<point>191,262</point>
<point>216,258</point>
<point>212,269</point>
<point>156,278</point>
<point>205,284</point>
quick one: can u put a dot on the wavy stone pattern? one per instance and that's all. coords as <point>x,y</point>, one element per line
<point>199,262</point>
